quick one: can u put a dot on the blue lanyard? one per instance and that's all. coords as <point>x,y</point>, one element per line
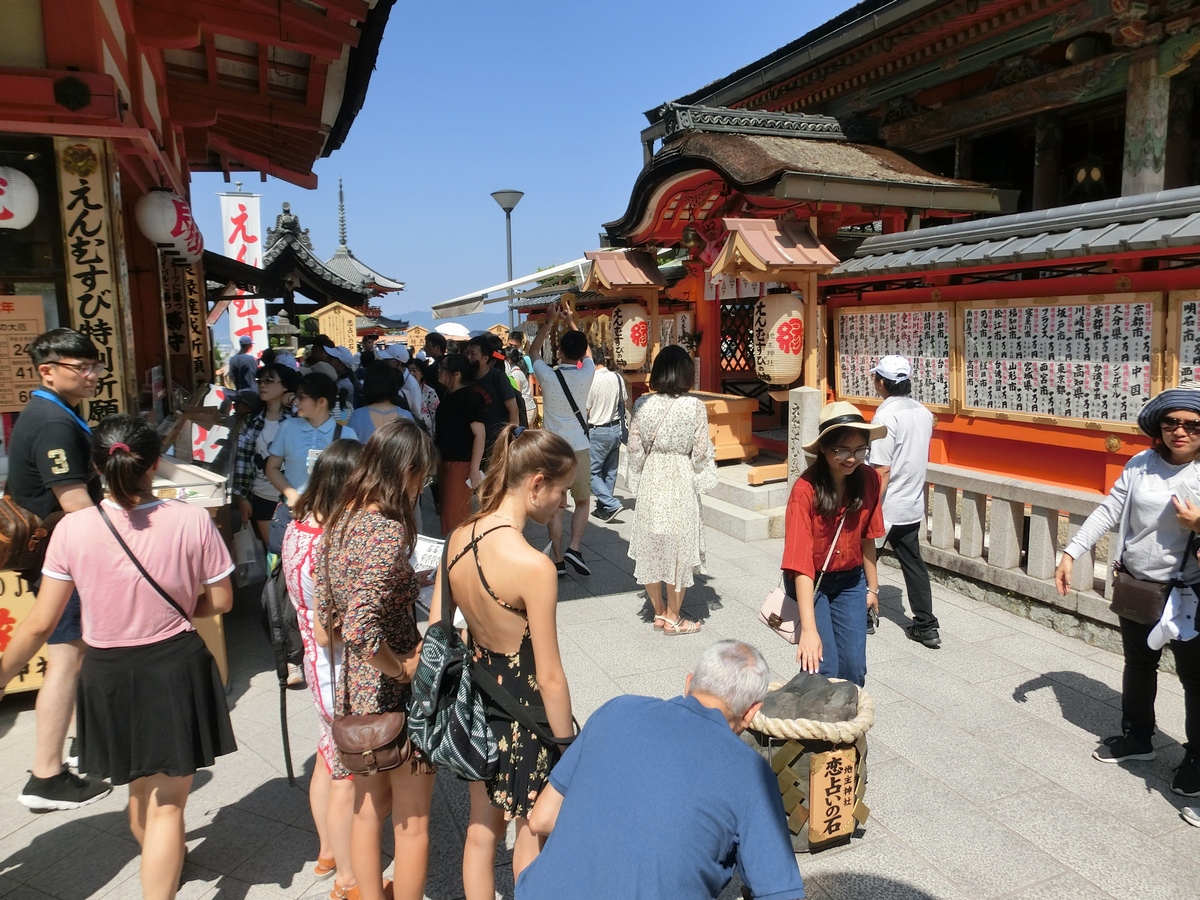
<point>54,398</point>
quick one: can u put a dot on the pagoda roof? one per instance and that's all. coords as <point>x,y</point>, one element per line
<point>349,267</point>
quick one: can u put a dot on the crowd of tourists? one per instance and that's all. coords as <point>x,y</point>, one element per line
<point>332,463</point>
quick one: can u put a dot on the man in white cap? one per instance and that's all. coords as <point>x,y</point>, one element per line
<point>901,457</point>
<point>243,365</point>
<point>396,356</point>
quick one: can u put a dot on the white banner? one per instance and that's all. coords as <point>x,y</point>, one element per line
<point>242,239</point>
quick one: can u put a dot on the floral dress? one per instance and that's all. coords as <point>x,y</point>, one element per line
<point>671,463</point>
<point>372,589</point>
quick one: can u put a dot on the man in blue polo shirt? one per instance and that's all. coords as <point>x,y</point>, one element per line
<point>621,828</point>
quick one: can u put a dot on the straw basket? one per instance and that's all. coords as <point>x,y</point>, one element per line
<point>821,767</point>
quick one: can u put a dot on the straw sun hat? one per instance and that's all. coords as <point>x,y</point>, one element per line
<point>843,415</point>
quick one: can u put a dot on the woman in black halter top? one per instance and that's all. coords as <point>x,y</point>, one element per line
<point>508,593</point>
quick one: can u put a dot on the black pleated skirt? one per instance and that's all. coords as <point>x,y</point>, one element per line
<point>153,710</point>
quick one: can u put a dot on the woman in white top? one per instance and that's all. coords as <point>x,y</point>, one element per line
<point>1157,533</point>
<point>671,463</point>
<point>151,709</point>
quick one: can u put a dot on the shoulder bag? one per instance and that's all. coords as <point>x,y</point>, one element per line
<point>780,612</point>
<point>447,718</point>
<point>370,743</point>
<point>571,399</point>
<point>1144,601</point>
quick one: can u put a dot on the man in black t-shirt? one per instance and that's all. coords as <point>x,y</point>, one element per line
<point>493,387</point>
<point>50,469</point>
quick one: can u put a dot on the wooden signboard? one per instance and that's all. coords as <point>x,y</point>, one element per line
<point>1183,338</point>
<point>923,333</point>
<point>1082,361</point>
<point>21,320</point>
<point>831,796</point>
<point>338,322</point>
<point>16,600</point>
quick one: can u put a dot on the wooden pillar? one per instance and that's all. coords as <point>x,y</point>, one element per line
<point>1047,161</point>
<point>1147,105</point>
<point>1179,132</point>
<point>708,324</point>
<point>962,157</point>
<point>813,369</point>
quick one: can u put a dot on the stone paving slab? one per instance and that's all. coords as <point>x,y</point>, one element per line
<point>981,783</point>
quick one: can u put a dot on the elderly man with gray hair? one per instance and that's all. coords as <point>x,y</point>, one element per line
<point>660,798</point>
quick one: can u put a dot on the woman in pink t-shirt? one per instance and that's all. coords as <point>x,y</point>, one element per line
<point>151,709</point>
<point>332,802</point>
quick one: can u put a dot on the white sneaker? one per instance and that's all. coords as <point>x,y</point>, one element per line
<point>295,676</point>
<point>1191,815</point>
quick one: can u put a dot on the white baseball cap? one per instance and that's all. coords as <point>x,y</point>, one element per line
<point>893,368</point>
<point>397,352</point>
<point>342,354</point>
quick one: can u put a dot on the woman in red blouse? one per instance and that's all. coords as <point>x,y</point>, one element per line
<point>833,517</point>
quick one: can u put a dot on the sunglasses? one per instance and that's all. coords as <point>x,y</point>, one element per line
<point>1170,424</point>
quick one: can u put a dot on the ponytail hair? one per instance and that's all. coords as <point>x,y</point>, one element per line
<point>125,450</point>
<point>518,453</point>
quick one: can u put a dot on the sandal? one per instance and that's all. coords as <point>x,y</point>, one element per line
<point>657,619</point>
<point>680,626</point>
<point>324,868</point>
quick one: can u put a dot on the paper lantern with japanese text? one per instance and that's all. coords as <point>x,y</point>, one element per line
<point>166,219</point>
<point>631,335</point>
<point>778,338</point>
<point>18,199</point>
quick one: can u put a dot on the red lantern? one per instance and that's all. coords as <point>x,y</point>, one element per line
<point>18,199</point>
<point>166,219</point>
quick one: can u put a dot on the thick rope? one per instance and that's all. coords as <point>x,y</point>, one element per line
<point>812,730</point>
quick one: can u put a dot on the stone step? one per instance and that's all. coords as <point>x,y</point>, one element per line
<point>749,496</point>
<point>738,522</point>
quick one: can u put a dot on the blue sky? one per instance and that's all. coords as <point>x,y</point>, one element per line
<point>542,97</point>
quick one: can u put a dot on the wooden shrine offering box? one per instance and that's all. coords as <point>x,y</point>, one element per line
<point>730,424</point>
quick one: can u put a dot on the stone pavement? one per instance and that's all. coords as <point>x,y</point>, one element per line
<point>981,782</point>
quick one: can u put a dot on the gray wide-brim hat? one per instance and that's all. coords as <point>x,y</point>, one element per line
<point>841,414</point>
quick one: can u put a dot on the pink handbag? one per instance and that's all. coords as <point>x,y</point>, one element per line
<point>780,612</point>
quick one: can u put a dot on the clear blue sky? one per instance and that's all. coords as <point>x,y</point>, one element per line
<point>541,96</point>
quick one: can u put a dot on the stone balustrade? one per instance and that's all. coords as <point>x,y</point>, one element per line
<point>1007,533</point>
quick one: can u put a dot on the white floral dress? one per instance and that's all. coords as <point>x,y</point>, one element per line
<point>671,463</point>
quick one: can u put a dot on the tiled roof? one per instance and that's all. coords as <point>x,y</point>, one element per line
<point>1160,221</point>
<point>345,264</point>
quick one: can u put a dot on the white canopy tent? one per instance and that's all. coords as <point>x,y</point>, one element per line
<point>469,304</point>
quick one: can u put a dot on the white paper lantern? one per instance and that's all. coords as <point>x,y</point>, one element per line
<point>18,199</point>
<point>631,335</point>
<point>778,338</point>
<point>166,219</point>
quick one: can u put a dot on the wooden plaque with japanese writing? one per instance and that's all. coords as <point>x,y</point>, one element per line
<point>831,796</point>
<point>922,333</point>
<point>16,600</point>
<point>21,320</point>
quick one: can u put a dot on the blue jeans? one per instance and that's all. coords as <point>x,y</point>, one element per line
<point>606,449</point>
<point>841,610</point>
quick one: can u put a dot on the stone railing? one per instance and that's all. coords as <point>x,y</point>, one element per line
<point>1007,533</point>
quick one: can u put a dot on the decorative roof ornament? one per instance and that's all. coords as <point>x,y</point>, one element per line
<point>289,223</point>
<point>345,264</point>
<point>678,118</point>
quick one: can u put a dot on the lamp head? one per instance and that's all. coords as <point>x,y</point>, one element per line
<point>508,200</point>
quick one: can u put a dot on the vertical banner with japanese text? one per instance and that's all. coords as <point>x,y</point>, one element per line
<point>241,233</point>
<point>94,267</point>
<point>197,323</point>
<point>175,322</point>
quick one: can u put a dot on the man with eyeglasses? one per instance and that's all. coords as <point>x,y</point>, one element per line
<point>50,470</point>
<point>901,458</point>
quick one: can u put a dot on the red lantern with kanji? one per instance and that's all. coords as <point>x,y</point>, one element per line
<point>778,338</point>
<point>166,219</point>
<point>18,199</point>
<point>631,335</point>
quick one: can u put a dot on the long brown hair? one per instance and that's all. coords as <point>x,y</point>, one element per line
<point>518,453</point>
<point>825,496</point>
<point>398,455</point>
<point>324,489</point>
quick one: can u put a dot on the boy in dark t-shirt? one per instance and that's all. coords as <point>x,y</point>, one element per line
<point>50,469</point>
<point>493,387</point>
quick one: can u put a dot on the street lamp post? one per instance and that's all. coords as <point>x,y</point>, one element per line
<point>508,201</point>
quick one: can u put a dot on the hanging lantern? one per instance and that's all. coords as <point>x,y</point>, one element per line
<point>631,335</point>
<point>18,199</point>
<point>166,219</point>
<point>778,338</point>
